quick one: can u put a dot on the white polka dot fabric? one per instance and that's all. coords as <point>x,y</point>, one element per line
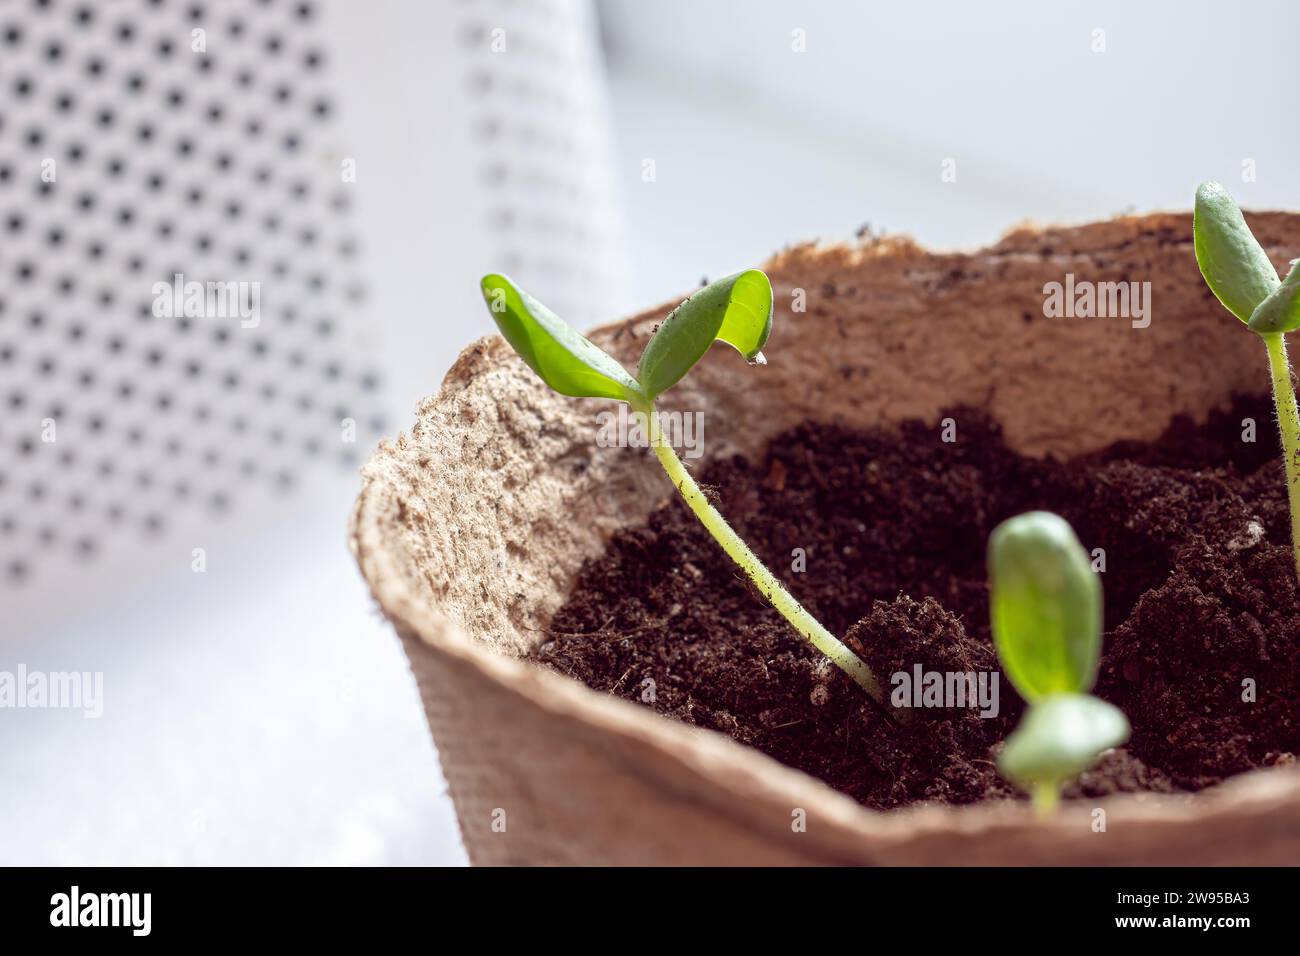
<point>141,140</point>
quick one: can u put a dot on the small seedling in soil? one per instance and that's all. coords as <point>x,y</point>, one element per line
<point>1240,275</point>
<point>736,310</point>
<point>1046,605</point>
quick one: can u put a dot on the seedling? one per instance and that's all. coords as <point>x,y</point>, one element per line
<point>1046,608</point>
<point>1240,275</point>
<point>736,310</point>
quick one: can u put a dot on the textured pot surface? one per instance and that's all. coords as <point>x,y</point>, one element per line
<point>470,528</point>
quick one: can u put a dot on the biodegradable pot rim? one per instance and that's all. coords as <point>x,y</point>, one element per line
<point>735,780</point>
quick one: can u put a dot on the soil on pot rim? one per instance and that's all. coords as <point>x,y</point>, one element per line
<point>1201,600</point>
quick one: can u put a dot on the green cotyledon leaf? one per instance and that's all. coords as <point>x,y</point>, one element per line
<point>1280,312</point>
<point>736,310</point>
<point>1234,264</point>
<point>1059,737</point>
<point>1045,605</point>
<point>564,358</point>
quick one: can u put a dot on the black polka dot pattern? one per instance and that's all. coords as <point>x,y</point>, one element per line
<point>128,155</point>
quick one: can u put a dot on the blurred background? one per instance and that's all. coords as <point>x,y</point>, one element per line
<point>174,489</point>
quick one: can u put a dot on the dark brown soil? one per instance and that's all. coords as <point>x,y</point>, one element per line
<point>1200,597</point>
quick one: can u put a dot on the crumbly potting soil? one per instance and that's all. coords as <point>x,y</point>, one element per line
<point>1201,600</point>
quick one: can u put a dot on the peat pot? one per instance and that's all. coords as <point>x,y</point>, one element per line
<point>470,528</point>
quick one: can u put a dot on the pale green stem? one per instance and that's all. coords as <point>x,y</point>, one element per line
<point>1045,797</point>
<point>1288,419</point>
<point>765,580</point>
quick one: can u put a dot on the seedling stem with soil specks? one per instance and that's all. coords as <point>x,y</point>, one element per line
<point>764,580</point>
<point>1242,277</point>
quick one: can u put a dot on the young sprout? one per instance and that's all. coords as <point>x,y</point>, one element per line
<point>736,310</point>
<point>1240,275</point>
<point>1045,604</point>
